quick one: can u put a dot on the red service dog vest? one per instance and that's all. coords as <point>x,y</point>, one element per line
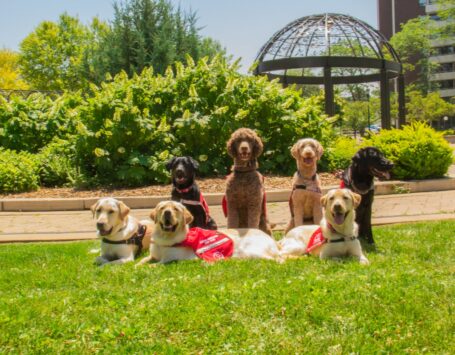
<point>209,245</point>
<point>316,240</point>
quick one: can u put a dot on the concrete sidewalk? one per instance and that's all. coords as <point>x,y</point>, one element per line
<point>79,225</point>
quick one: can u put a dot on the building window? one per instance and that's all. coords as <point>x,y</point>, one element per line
<point>445,50</point>
<point>445,68</point>
<point>446,84</point>
<point>422,2</point>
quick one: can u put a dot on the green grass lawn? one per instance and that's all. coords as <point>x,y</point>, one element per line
<point>53,300</point>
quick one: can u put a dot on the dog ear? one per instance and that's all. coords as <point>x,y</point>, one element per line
<point>258,146</point>
<point>319,149</point>
<point>170,164</point>
<point>153,215</point>
<point>356,199</point>
<point>295,150</point>
<point>94,207</point>
<point>323,200</point>
<point>124,210</point>
<point>194,163</point>
<point>231,147</point>
<point>188,216</point>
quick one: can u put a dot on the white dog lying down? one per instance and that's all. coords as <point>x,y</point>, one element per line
<point>337,234</point>
<point>173,240</point>
<point>122,236</point>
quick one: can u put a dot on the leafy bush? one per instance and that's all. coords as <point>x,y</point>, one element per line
<point>30,124</point>
<point>340,152</point>
<point>56,164</point>
<point>131,127</point>
<point>18,171</point>
<point>417,150</point>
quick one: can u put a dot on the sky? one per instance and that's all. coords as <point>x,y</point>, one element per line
<point>241,26</point>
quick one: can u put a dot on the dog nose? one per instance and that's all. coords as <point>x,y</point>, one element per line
<point>243,149</point>
<point>337,207</point>
<point>167,217</point>
<point>100,226</point>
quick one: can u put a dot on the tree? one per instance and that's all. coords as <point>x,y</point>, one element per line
<point>447,13</point>
<point>51,57</point>
<point>150,33</point>
<point>355,115</point>
<point>427,108</point>
<point>10,75</point>
<point>413,45</point>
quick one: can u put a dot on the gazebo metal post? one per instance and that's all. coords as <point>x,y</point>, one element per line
<point>385,100</point>
<point>328,92</point>
<point>401,101</point>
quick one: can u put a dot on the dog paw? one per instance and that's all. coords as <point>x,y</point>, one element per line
<point>364,261</point>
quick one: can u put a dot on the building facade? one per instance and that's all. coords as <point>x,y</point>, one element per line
<point>393,13</point>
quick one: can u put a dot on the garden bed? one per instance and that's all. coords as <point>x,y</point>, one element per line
<point>208,185</point>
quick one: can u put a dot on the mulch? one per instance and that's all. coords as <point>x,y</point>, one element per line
<point>209,185</point>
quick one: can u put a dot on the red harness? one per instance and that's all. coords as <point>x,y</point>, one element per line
<point>316,240</point>
<point>209,245</point>
<point>202,202</point>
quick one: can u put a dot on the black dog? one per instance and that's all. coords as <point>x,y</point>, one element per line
<point>186,191</point>
<point>366,164</point>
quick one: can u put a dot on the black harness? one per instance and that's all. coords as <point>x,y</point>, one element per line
<point>135,239</point>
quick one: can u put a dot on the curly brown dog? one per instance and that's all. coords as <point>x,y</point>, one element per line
<point>245,185</point>
<point>305,200</point>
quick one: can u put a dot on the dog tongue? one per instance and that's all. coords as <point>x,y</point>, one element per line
<point>308,160</point>
<point>339,218</point>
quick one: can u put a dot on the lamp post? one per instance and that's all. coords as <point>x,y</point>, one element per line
<point>445,118</point>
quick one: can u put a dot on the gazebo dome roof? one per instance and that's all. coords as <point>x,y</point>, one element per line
<point>327,35</point>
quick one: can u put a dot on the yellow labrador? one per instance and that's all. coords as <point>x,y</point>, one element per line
<point>338,228</point>
<point>172,230</point>
<point>122,236</point>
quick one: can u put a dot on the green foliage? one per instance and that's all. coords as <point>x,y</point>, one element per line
<point>10,75</point>
<point>53,300</point>
<point>146,33</point>
<point>413,45</point>
<point>340,152</point>
<point>18,171</point>
<point>417,150</point>
<point>56,164</point>
<point>51,56</point>
<point>30,124</point>
<point>130,127</point>
<point>427,108</point>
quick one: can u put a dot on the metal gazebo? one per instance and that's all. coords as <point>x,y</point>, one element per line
<point>332,49</point>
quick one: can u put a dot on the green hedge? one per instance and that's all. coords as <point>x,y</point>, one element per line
<point>339,153</point>
<point>32,123</point>
<point>131,127</point>
<point>417,150</point>
<point>18,171</point>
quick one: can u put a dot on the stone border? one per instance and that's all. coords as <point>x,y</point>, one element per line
<point>78,204</point>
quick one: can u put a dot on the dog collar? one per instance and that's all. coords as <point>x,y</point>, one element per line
<point>184,191</point>
<point>135,239</point>
<point>333,230</point>
<point>302,177</point>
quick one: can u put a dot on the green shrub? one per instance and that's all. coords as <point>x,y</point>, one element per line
<point>56,164</point>
<point>417,150</point>
<point>18,171</point>
<point>340,152</point>
<point>30,124</point>
<point>131,127</point>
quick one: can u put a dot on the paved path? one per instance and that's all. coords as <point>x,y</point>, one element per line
<point>58,226</point>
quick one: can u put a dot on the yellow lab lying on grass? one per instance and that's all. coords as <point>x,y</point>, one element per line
<point>122,236</point>
<point>337,234</point>
<point>173,240</point>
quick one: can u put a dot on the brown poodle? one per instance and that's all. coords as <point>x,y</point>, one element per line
<point>305,200</point>
<point>245,185</point>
